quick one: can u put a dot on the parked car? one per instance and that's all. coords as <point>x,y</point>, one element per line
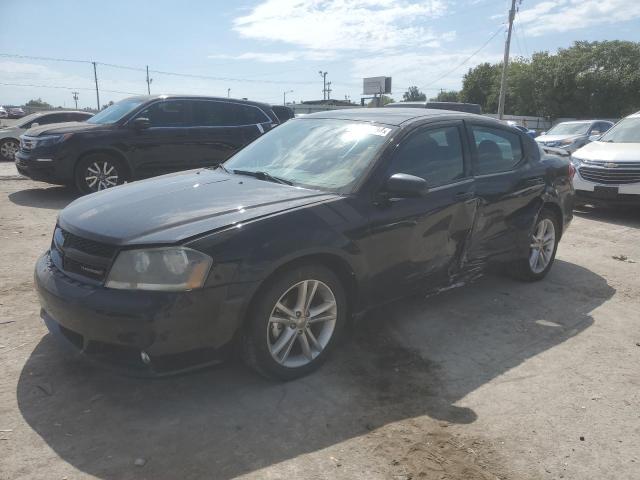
<point>10,136</point>
<point>452,106</point>
<point>142,137</point>
<point>528,131</point>
<point>570,136</point>
<point>317,222</point>
<point>3,112</point>
<point>608,169</point>
<point>283,113</point>
<point>15,112</point>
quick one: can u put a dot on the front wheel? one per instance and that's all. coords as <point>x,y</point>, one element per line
<point>294,322</point>
<point>543,243</point>
<point>97,172</point>
<point>8,149</point>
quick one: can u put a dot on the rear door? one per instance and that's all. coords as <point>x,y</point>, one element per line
<point>508,181</point>
<point>418,242</point>
<point>165,146</point>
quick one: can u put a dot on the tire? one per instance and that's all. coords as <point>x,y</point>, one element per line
<point>99,171</point>
<point>536,266</point>
<point>276,341</point>
<point>8,149</point>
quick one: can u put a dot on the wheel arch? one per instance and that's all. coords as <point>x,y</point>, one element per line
<point>557,212</point>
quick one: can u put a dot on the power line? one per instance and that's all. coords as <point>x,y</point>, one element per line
<point>501,29</point>
<point>52,59</point>
<point>66,88</point>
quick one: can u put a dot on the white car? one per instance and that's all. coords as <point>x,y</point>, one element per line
<point>608,169</point>
<point>3,112</point>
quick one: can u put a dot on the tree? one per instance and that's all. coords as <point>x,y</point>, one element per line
<point>588,79</point>
<point>447,96</point>
<point>38,104</point>
<point>413,94</point>
<point>385,99</point>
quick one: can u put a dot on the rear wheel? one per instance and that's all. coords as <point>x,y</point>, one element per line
<point>99,171</point>
<point>8,148</point>
<point>294,322</point>
<point>543,243</point>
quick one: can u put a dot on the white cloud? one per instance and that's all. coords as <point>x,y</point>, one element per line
<point>339,25</point>
<point>566,15</point>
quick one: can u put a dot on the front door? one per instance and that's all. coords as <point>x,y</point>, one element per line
<point>417,243</point>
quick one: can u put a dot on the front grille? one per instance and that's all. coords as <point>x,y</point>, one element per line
<point>87,246</point>
<point>610,176</point>
<point>80,256</point>
<point>607,164</point>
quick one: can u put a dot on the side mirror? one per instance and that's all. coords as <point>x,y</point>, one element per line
<point>403,185</point>
<point>141,123</point>
<point>595,137</point>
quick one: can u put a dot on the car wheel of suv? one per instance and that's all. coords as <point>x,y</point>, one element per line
<point>542,248</point>
<point>98,171</point>
<point>8,148</point>
<point>294,322</point>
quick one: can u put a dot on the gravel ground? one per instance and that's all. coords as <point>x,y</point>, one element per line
<point>497,379</point>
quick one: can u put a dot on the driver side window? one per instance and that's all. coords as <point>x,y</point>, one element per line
<point>434,154</point>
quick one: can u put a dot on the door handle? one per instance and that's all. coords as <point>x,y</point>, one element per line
<point>465,195</point>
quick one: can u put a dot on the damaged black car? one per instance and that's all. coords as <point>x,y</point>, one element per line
<point>307,228</point>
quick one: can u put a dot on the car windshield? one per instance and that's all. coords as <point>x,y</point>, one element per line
<point>569,129</point>
<point>116,111</point>
<point>326,154</point>
<point>625,131</point>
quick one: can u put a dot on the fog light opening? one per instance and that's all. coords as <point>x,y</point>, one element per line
<point>145,358</point>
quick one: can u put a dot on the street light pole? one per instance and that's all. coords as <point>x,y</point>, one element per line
<point>228,92</point>
<point>75,98</point>
<point>284,96</point>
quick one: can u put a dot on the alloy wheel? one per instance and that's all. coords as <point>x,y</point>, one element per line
<point>543,242</point>
<point>302,323</point>
<point>9,149</point>
<point>101,175</point>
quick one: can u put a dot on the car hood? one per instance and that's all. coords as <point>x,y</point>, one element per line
<point>65,127</point>
<point>556,138</point>
<point>606,151</point>
<point>172,208</point>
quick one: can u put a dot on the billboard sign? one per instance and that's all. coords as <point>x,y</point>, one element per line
<point>376,85</point>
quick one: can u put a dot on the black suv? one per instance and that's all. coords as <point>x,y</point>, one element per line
<point>142,137</point>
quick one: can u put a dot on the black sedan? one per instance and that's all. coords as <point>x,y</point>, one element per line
<point>304,230</point>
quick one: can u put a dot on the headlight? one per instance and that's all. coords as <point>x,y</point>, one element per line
<point>576,161</point>
<point>48,140</point>
<point>567,141</point>
<point>166,269</point>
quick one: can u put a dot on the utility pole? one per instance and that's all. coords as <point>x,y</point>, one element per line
<point>324,84</point>
<point>75,97</point>
<point>328,90</point>
<point>95,77</point>
<point>505,62</point>
<point>149,80</point>
<point>284,96</point>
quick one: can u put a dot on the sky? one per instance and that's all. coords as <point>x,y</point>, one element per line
<point>261,49</point>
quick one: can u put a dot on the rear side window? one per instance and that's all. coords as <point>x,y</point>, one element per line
<point>77,117</point>
<point>53,118</point>
<point>497,150</point>
<point>226,114</point>
<point>434,154</point>
<point>172,113</point>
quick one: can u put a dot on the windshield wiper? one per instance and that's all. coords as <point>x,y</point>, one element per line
<point>263,176</point>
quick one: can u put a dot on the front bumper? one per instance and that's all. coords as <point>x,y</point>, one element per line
<point>590,192</point>
<point>43,166</point>
<point>177,330</point>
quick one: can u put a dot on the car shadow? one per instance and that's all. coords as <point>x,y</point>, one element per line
<point>415,357</point>
<point>52,198</point>
<point>628,216</point>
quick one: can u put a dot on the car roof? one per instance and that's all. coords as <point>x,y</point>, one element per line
<point>147,98</point>
<point>396,116</point>
<point>47,112</point>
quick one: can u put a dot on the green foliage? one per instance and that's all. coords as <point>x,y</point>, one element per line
<point>589,79</point>
<point>447,96</point>
<point>413,94</point>
<point>38,103</point>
